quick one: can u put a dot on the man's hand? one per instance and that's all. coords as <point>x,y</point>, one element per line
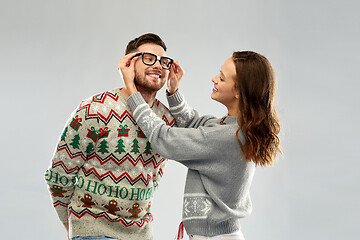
<point>66,225</point>
<point>175,75</point>
<point>127,68</point>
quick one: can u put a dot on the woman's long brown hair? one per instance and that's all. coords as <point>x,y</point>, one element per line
<point>258,121</point>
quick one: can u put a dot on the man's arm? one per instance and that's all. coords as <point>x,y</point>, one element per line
<point>66,225</point>
<point>68,158</point>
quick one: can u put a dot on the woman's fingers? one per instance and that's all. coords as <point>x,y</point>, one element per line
<point>127,60</point>
<point>178,67</point>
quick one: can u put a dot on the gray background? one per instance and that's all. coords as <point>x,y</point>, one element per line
<point>53,54</point>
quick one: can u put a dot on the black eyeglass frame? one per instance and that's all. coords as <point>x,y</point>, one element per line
<point>157,59</point>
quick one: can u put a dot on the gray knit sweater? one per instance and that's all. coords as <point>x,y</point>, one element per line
<point>218,179</point>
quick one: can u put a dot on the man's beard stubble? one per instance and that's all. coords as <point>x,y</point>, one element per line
<point>142,84</point>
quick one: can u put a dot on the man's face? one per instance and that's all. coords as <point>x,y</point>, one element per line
<point>150,78</point>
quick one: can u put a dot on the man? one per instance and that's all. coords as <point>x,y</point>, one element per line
<point>104,171</point>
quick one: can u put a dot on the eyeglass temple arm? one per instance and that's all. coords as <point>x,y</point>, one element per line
<point>136,55</point>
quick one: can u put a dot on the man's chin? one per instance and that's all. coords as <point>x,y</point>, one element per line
<point>149,88</point>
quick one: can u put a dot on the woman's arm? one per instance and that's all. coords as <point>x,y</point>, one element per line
<point>181,144</point>
<point>184,115</point>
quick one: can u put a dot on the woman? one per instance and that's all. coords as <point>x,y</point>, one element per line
<point>221,154</point>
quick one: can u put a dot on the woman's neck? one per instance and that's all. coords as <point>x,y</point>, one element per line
<point>233,110</point>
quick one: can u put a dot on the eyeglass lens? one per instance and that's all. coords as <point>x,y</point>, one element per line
<point>150,59</point>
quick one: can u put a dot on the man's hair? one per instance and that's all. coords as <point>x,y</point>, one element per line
<point>134,44</point>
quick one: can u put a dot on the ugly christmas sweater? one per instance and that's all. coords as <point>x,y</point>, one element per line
<point>104,171</point>
<point>218,179</point>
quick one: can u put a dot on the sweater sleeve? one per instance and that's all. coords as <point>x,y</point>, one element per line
<point>68,158</point>
<point>181,144</point>
<point>184,115</point>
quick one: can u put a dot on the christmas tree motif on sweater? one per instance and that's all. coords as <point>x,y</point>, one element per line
<point>120,147</point>
<point>75,141</point>
<point>76,123</point>
<point>63,135</point>
<point>103,147</point>
<point>140,133</point>
<point>90,148</point>
<point>148,148</point>
<point>123,131</point>
<point>135,146</point>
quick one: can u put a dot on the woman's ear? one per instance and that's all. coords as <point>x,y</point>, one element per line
<point>236,93</point>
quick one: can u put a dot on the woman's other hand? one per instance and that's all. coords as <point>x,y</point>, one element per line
<point>127,68</point>
<point>175,75</point>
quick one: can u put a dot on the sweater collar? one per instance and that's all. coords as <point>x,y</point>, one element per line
<point>228,120</point>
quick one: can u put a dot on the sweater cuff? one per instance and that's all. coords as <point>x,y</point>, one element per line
<point>135,100</point>
<point>175,99</point>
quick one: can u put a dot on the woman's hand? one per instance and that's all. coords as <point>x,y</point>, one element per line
<point>175,75</point>
<point>127,68</point>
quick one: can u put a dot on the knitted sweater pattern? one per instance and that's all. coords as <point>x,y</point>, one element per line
<point>104,171</point>
<point>218,179</point>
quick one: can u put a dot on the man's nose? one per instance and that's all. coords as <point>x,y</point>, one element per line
<point>157,64</point>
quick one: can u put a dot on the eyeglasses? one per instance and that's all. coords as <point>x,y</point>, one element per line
<point>150,59</point>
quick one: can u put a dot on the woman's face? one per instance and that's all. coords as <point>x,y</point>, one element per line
<point>224,84</point>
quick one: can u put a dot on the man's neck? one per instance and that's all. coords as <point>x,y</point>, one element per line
<point>148,96</point>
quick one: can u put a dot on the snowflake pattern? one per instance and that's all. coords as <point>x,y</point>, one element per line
<point>85,141</point>
<point>186,115</point>
<point>150,121</point>
<point>126,166</point>
<point>71,132</point>
<point>96,107</point>
<point>196,206</point>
